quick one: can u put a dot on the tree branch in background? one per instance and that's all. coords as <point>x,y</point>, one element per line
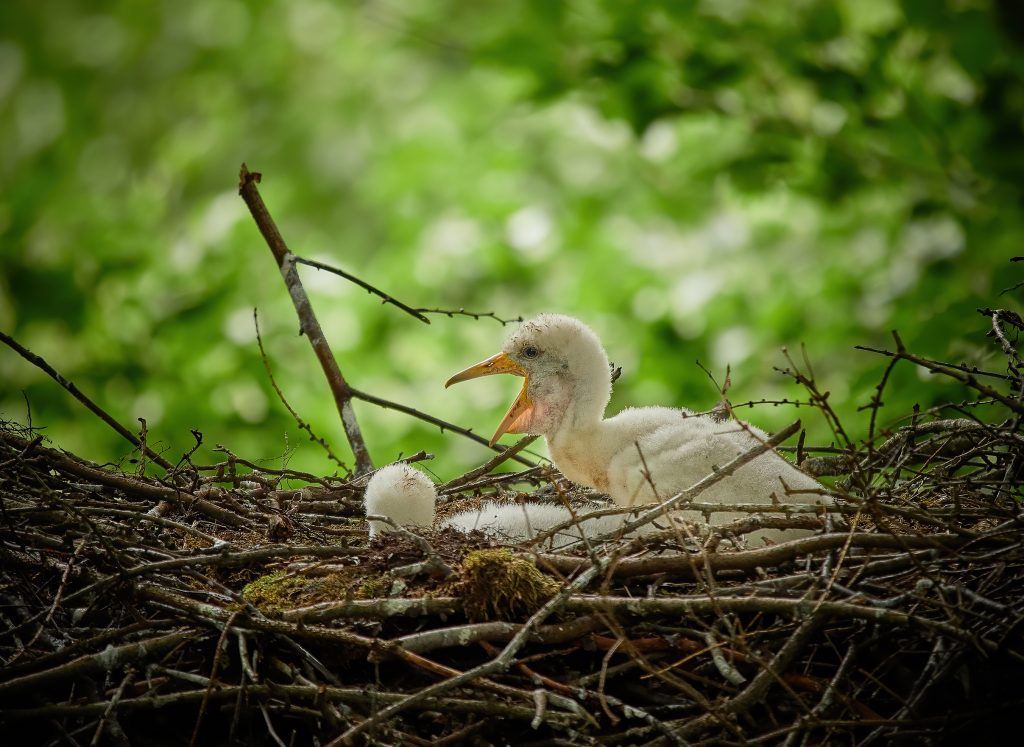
<point>389,299</point>
<point>385,298</point>
<point>38,362</point>
<point>307,318</point>
<point>451,313</point>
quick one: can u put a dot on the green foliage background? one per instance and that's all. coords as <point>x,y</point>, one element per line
<point>696,179</point>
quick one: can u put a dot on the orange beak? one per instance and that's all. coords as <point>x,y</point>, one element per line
<point>520,414</point>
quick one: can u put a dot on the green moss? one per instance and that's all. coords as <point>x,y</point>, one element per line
<point>275,592</point>
<point>373,587</point>
<point>279,591</point>
<point>497,584</point>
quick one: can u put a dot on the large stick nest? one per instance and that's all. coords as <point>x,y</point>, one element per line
<point>231,604</point>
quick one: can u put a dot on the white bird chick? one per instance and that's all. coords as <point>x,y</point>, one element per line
<point>566,389</point>
<point>403,494</point>
<point>408,497</point>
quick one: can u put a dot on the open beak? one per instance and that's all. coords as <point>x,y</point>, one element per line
<point>520,414</point>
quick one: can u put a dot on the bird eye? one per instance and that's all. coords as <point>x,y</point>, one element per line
<point>530,352</point>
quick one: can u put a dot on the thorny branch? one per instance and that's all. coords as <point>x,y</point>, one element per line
<point>384,297</point>
<point>476,315</point>
<point>388,299</point>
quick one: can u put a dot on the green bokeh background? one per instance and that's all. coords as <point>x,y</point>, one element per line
<point>697,180</point>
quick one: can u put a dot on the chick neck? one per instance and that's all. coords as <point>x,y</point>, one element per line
<point>575,431</point>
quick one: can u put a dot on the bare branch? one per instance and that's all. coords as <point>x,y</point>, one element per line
<point>385,298</point>
<point>477,315</point>
<point>444,425</point>
<point>50,371</point>
<point>307,318</point>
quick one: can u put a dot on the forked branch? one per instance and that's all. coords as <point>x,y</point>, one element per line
<point>307,318</point>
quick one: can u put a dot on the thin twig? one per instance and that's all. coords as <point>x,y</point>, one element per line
<point>965,377</point>
<point>473,314</point>
<point>303,425</point>
<point>504,455</point>
<point>427,418</point>
<point>385,298</point>
<point>50,371</point>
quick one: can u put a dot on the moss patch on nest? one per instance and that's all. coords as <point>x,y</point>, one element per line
<point>495,584</point>
<point>280,590</point>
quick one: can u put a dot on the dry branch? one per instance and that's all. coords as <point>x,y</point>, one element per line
<point>77,393</point>
<point>309,325</point>
<point>384,297</point>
